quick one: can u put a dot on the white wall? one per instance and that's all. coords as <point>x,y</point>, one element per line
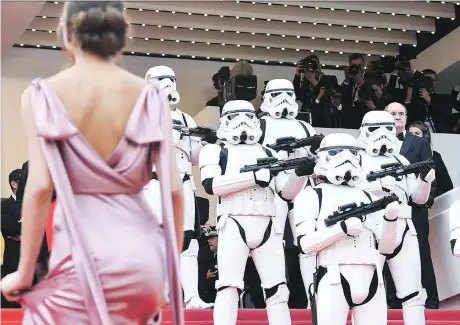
<point>21,66</point>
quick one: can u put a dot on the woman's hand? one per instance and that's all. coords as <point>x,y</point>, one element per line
<point>13,285</point>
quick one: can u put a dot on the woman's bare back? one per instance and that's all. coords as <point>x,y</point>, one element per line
<point>99,101</point>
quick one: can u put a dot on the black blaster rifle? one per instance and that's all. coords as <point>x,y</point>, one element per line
<point>275,165</point>
<point>353,210</point>
<point>398,170</point>
<point>289,144</point>
<point>198,132</point>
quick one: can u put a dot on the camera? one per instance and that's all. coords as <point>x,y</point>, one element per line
<point>354,70</point>
<point>309,64</point>
<point>214,269</point>
<point>420,81</point>
<point>240,87</point>
<point>222,75</point>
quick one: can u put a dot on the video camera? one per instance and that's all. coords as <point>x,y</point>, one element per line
<point>240,87</point>
<point>220,76</point>
<point>420,81</point>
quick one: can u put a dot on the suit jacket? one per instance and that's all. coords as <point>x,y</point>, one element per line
<point>11,230</point>
<point>415,149</point>
<point>443,182</point>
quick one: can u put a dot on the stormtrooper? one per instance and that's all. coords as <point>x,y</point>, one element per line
<point>454,215</point>
<point>279,104</point>
<point>187,154</point>
<point>245,211</point>
<point>378,137</point>
<point>348,274</point>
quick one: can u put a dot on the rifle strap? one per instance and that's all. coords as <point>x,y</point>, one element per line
<point>263,127</point>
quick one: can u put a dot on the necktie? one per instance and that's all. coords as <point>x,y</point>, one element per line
<point>401,136</point>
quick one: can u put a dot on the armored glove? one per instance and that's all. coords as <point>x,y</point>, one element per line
<point>305,169</point>
<point>315,143</point>
<point>210,138</point>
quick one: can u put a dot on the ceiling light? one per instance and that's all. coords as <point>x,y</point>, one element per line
<point>252,60</point>
<point>298,36</point>
<point>253,46</point>
<point>175,27</point>
<point>393,14</point>
<point>336,65</point>
<point>283,35</point>
<point>253,18</point>
<point>269,4</point>
<point>207,29</point>
<point>129,37</point>
<point>327,38</point>
<point>222,31</point>
<point>385,43</point>
<point>237,17</point>
<point>33,30</point>
<point>223,44</point>
<point>146,38</point>
<point>223,59</point>
<point>206,15</point>
<point>132,52</point>
<point>368,54</point>
<point>50,31</point>
<point>323,65</point>
<point>268,34</point>
<point>162,40</point>
<point>143,25</point>
<point>56,2</point>
<point>237,59</point>
<point>378,12</point>
<point>266,61</point>
<point>326,51</point>
<point>297,50</point>
<point>313,37</point>
<point>281,62</point>
<point>149,54</point>
<point>177,41</point>
<point>375,27</point>
<point>315,24</point>
<point>408,15</point>
<point>237,32</point>
<point>282,49</point>
<point>299,22</point>
<point>238,45</point>
<point>140,9</point>
<point>159,26</point>
<point>253,33</point>
<point>342,40</point>
<point>344,25</point>
<point>372,42</point>
<point>208,57</point>
<point>363,11</point>
<point>312,51</point>
<point>340,52</point>
<point>189,13</point>
<point>432,32</point>
<point>399,44</point>
<point>268,19</point>
<point>193,56</point>
<point>155,10</point>
<point>357,41</point>
<point>418,31</point>
<point>389,29</point>
<point>44,17</point>
<point>285,6</point>
<point>54,46</point>
<point>329,24</point>
<point>178,55</point>
<point>414,45</point>
<point>21,44</point>
<point>191,28</point>
<point>332,9</point>
<point>268,47</point>
<point>404,30</point>
<point>360,26</point>
<point>38,45</point>
<point>348,10</point>
<point>221,16</point>
<point>208,43</point>
<point>316,8</point>
<point>301,7</point>
<point>423,16</point>
<point>383,55</point>
<point>437,17</point>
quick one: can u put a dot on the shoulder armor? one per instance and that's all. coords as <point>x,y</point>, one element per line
<point>402,159</point>
<point>308,128</point>
<point>209,155</point>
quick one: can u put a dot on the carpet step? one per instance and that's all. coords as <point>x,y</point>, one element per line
<point>392,322</point>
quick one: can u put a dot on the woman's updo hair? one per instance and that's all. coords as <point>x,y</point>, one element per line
<point>100,27</point>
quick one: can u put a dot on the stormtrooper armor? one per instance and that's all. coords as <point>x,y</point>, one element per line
<point>348,274</point>
<point>378,137</point>
<point>187,154</point>
<point>454,215</point>
<point>245,214</point>
<point>279,103</point>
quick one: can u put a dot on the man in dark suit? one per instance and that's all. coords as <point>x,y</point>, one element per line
<point>11,231</point>
<point>415,149</point>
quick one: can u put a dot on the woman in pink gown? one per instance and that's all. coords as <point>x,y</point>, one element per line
<point>94,131</point>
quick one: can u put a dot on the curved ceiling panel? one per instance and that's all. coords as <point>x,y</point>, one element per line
<point>279,31</point>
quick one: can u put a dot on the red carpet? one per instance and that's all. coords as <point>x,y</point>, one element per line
<point>259,317</point>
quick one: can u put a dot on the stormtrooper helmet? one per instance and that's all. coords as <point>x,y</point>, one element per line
<point>339,160</point>
<point>279,99</point>
<point>239,123</point>
<point>378,134</point>
<point>167,79</point>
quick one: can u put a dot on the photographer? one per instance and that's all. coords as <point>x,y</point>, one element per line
<point>313,89</point>
<point>423,104</point>
<point>372,92</point>
<point>353,109</point>
<point>218,81</point>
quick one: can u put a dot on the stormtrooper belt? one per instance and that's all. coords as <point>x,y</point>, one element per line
<point>334,257</point>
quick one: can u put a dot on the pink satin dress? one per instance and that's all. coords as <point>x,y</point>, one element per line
<point>111,260</point>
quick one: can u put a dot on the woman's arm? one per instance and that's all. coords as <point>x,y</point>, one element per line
<point>37,196</point>
<point>176,188</point>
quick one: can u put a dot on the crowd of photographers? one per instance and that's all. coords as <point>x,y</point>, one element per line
<point>326,103</point>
